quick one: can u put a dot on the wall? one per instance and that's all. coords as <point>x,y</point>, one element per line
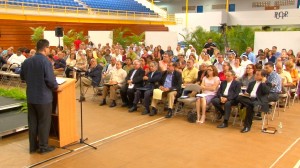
<point>17,33</point>
<point>205,20</point>
<point>264,17</point>
<point>287,40</point>
<point>164,39</point>
<point>240,5</point>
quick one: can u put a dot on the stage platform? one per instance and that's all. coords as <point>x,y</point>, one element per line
<point>11,118</point>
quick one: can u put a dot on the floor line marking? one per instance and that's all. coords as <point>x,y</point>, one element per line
<point>289,148</point>
<point>103,140</point>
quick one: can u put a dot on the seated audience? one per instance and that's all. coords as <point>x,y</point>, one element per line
<point>289,67</point>
<point>245,61</point>
<point>248,75</point>
<point>209,87</point>
<point>255,98</point>
<point>92,76</point>
<point>59,64</point>
<point>116,81</point>
<point>71,62</point>
<point>151,80</point>
<point>170,84</point>
<point>237,68</point>
<point>164,62</point>
<point>226,95</point>
<point>133,80</point>
<point>219,62</point>
<point>190,73</point>
<point>226,67</point>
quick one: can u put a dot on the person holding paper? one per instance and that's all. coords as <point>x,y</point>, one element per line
<point>255,98</point>
<point>116,81</point>
<point>209,87</point>
<point>133,80</point>
<point>170,84</point>
<point>227,94</point>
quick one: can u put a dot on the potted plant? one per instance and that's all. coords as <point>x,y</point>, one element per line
<point>38,33</point>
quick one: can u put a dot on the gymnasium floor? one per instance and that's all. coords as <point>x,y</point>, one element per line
<point>131,140</point>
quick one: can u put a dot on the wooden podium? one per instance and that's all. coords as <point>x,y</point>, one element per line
<point>64,123</point>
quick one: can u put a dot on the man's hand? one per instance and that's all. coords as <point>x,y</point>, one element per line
<point>223,99</point>
<point>145,78</point>
<point>264,79</point>
<point>113,82</point>
<point>129,82</point>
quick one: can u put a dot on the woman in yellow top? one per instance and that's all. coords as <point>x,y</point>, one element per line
<point>289,67</point>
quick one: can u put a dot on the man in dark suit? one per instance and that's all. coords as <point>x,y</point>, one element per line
<point>134,80</point>
<point>227,94</point>
<point>255,98</point>
<point>150,82</point>
<point>92,78</point>
<point>38,73</point>
<point>170,84</point>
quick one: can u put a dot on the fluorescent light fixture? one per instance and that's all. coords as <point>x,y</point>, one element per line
<point>156,1</point>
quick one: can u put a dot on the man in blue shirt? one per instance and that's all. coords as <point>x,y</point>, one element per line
<point>250,54</point>
<point>275,53</point>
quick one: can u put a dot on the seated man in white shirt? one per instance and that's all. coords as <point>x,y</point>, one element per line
<point>256,98</point>
<point>16,60</point>
<point>116,81</point>
<point>227,94</point>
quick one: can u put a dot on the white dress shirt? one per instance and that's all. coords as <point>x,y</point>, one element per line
<point>227,88</point>
<point>254,90</point>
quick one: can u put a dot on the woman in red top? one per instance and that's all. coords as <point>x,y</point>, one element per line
<point>156,55</point>
<point>226,67</point>
<point>144,65</point>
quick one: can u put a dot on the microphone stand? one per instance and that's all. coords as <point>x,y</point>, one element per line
<point>81,99</point>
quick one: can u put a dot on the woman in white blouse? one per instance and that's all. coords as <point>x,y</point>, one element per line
<point>237,68</point>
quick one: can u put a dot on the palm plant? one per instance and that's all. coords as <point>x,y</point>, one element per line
<point>239,38</point>
<point>38,33</point>
<point>199,37</point>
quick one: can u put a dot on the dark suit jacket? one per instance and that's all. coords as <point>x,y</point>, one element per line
<point>137,79</point>
<point>153,82</point>
<point>262,93</point>
<point>233,92</point>
<point>95,74</point>
<point>38,73</point>
<point>176,81</point>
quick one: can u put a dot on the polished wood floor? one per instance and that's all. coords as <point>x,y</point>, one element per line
<point>131,140</point>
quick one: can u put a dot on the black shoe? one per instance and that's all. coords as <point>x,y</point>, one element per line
<point>223,125</point>
<point>245,129</point>
<point>31,151</point>
<point>145,112</point>
<point>124,105</point>
<point>170,113</point>
<point>46,150</point>
<point>103,103</point>
<point>153,112</point>
<point>133,108</point>
<point>113,104</point>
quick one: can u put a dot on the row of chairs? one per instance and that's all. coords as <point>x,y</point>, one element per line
<point>286,98</point>
<point>9,78</point>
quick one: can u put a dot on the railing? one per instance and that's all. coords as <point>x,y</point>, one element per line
<point>90,12</point>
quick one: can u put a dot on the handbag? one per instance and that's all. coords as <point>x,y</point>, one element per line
<point>192,116</point>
